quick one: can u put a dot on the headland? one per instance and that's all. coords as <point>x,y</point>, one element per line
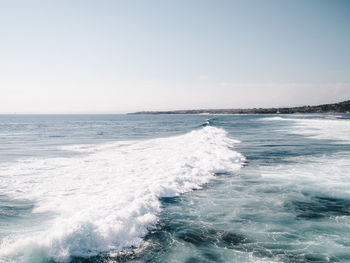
<point>340,107</point>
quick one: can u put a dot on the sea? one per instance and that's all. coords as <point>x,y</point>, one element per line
<point>175,188</point>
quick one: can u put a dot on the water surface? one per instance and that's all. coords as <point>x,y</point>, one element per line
<point>174,188</point>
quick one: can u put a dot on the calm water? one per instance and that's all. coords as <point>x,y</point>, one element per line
<point>175,188</point>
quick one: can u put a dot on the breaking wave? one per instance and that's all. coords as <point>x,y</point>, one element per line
<point>329,128</point>
<point>105,199</point>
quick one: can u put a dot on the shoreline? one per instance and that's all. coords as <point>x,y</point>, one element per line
<point>341,107</point>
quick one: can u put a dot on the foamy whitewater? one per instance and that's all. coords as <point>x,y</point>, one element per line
<point>330,127</point>
<point>166,188</point>
<point>107,199</point>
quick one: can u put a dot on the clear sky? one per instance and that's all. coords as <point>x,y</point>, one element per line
<point>126,55</point>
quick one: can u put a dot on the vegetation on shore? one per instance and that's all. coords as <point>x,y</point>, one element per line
<point>341,107</point>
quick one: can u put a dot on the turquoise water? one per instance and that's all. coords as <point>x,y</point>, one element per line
<point>175,188</point>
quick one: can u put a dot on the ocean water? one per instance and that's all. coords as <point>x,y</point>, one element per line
<point>174,188</point>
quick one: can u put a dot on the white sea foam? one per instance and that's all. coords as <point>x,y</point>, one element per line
<point>106,199</point>
<point>329,174</point>
<point>330,129</point>
<point>273,119</point>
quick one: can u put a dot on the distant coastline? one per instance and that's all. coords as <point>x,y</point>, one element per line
<point>341,107</point>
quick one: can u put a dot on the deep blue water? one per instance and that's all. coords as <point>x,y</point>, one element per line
<point>65,180</point>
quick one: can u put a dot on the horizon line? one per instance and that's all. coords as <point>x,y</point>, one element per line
<point>140,111</point>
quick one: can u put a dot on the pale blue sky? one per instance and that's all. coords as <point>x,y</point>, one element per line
<point>124,55</point>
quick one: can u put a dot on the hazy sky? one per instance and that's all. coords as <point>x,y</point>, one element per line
<point>125,55</point>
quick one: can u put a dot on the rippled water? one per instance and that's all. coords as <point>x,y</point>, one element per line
<point>175,188</point>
